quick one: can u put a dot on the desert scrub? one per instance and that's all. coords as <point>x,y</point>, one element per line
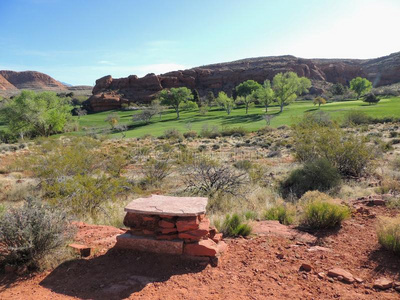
<point>173,134</point>
<point>388,231</point>
<point>314,175</point>
<point>75,174</point>
<point>208,177</point>
<point>155,171</point>
<point>190,134</point>
<point>321,212</point>
<point>31,232</point>
<point>245,165</point>
<point>348,153</point>
<point>285,214</point>
<point>234,226</point>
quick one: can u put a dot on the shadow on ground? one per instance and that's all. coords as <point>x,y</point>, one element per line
<point>387,262</point>
<point>115,275</point>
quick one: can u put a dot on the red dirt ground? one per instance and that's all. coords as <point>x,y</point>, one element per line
<point>262,267</point>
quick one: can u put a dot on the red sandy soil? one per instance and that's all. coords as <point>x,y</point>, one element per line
<point>265,266</point>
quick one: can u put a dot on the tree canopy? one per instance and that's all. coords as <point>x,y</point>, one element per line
<point>360,86</point>
<point>265,94</point>
<point>288,86</point>
<point>227,103</point>
<point>174,97</point>
<point>245,89</point>
<point>36,114</point>
<point>319,100</point>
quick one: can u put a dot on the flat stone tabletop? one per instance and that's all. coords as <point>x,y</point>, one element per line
<point>168,205</point>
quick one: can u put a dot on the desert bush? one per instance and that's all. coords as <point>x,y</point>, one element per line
<point>173,134</point>
<point>321,212</point>
<point>233,131</point>
<point>75,175</point>
<point>190,134</point>
<point>371,98</point>
<point>388,231</point>
<point>317,175</point>
<point>356,117</point>
<point>210,133</point>
<point>30,232</point>
<point>234,226</point>
<point>155,171</point>
<point>2,209</point>
<point>348,153</point>
<point>282,213</point>
<point>207,177</point>
<point>245,165</point>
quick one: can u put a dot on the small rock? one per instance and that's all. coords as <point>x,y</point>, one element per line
<point>321,275</point>
<point>340,278</point>
<point>83,250</point>
<point>306,267</point>
<point>318,248</point>
<point>383,283</point>
<point>280,256</point>
<point>397,288</point>
<point>336,272</point>
<point>358,280</point>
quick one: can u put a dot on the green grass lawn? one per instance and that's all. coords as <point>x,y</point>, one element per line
<point>252,121</point>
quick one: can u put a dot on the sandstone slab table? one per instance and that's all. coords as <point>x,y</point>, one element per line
<point>170,225</point>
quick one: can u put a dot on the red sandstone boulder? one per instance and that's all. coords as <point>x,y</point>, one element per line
<point>202,248</point>
<point>338,272</point>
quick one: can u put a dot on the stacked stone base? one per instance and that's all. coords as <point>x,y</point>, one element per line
<point>189,236</point>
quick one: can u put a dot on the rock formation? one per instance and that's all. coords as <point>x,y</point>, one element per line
<point>30,80</point>
<point>225,76</point>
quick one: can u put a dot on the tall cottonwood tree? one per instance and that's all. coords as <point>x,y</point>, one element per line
<point>288,86</point>
<point>174,97</point>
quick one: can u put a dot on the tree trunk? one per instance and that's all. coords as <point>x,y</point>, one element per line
<point>177,113</point>
<point>247,108</point>
<point>281,107</point>
<point>266,108</point>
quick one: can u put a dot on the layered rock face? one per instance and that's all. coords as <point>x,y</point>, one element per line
<point>31,80</point>
<point>225,76</point>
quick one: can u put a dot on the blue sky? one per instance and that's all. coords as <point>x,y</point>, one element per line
<point>79,41</point>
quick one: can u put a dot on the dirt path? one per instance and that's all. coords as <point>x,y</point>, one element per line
<point>263,267</point>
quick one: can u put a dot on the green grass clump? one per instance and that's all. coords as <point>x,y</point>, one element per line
<point>234,226</point>
<point>281,213</point>
<point>320,212</point>
<point>250,215</point>
<point>245,165</point>
<point>388,231</point>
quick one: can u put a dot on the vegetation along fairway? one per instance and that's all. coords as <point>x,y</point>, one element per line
<point>193,120</point>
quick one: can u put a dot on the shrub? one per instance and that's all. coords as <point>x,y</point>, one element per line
<point>371,99</point>
<point>314,175</point>
<point>388,231</point>
<point>207,177</point>
<point>356,117</point>
<point>234,226</point>
<point>211,133</point>
<point>155,171</point>
<point>233,131</point>
<point>320,212</point>
<point>281,213</point>
<point>348,153</point>
<point>250,215</point>
<point>76,176</point>
<point>245,165</point>
<point>190,134</point>
<point>173,134</point>
<point>30,232</point>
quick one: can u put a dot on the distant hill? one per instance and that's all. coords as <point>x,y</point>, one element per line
<point>12,82</point>
<point>110,93</point>
<point>32,80</point>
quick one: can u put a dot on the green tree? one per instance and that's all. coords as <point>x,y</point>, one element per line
<point>174,97</point>
<point>360,86</point>
<point>196,96</point>
<point>36,114</point>
<point>338,89</point>
<point>319,100</point>
<point>227,103</point>
<point>265,95</point>
<point>371,99</point>
<point>245,89</point>
<point>210,98</point>
<point>188,106</point>
<point>288,86</point>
